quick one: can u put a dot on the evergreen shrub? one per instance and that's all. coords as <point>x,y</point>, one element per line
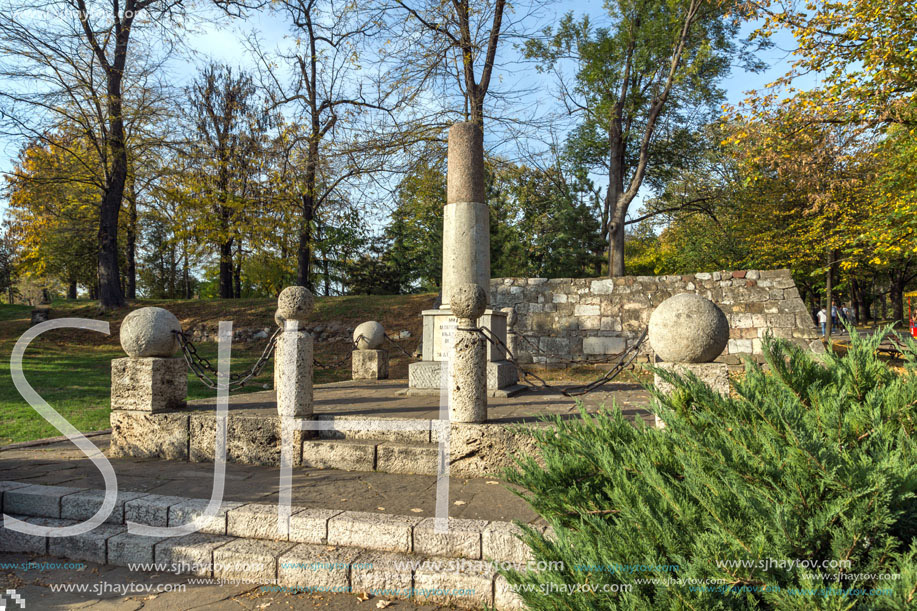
<point>740,502</point>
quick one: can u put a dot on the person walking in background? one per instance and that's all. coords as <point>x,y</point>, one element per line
<point>850,315</point>
<point>835,322</point>
<point>822,319</point>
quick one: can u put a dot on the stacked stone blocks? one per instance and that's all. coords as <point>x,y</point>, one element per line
<point>556,320</point>
<point>362,550</point>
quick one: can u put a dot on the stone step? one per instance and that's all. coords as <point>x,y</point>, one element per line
<point>390,556</point>
<point>371,455</point>
<point>381,429</point>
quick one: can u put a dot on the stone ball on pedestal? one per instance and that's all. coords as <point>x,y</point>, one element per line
<point>294,303</point>
<point>369,335</point>
<point>688,328</point>
<point>468,301</point>
<point>148,332</point>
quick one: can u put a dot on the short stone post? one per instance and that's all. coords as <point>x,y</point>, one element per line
<point>368,360</point>
<point>150,379</point>
<point>468,379</point>
<point>688,331</point>
<point>293,354</point>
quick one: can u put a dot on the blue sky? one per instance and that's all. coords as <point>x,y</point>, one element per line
<point>224,43</point>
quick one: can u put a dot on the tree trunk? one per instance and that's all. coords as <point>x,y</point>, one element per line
<point>131,292</point>
<point>71,290</point>
<point>896,294</point>
<point>237,273</point>
<point>110,295</point>
<point>829,281</point>
<point>304,252</point>
<point>226,269</point>
<point>616,208</point>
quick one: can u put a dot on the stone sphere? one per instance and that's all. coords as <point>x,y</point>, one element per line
<point>468,301</point>
<point>294,303</point>
<point>688,328</point>
<point>149,332</point>
<point>369,335</point>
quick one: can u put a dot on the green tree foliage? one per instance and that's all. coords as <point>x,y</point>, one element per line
<point>812,460</point>
<point>643,84</point>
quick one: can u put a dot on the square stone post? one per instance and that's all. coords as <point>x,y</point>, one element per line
<point>370,364</point>
<point>293,356</point>
<point>149,380</point>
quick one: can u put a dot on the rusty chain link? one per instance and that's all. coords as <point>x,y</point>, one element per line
<point>624,362</point>
<point>200,366</point>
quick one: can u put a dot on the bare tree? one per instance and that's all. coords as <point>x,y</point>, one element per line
<point>339,109</point>
<point>444,46</point>
<point>66,63</point>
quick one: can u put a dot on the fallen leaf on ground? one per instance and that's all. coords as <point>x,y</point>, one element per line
<point>459,503</point>
<point>382,604</point>
<point>362,596</point>
<point>416,509</point>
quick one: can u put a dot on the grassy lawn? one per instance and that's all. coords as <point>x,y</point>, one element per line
<point>71,369</point>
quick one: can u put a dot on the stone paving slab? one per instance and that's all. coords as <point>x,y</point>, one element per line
<point>311,525</point>
<point>248,560</point>
<point>151,509</point>
<point>192,511</point>
<point>191,554</point>
<point>372,531</point>
<point>389,399</point>
<point>44,501</point>
<point>37,593</point>
<point>83,505</point>
<point>125,549</point>
<point>313,566</point>
<point>91,546</point>
<point>462,539</point>
<point>471,498</point>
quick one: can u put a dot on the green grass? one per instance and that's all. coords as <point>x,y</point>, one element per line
<point>71,369</point>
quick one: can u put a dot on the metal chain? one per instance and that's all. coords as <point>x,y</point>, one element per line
<point>399,348</point>
<point>556,359</point>
<point>624,362</point>
<point>201,366</point>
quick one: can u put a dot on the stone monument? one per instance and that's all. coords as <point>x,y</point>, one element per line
<point>293,354</point>
<point>466,259</point>
<point>150,379</point>
<point>369,361</point>
<point>687,332</point>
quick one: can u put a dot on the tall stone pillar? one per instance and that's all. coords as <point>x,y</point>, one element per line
<point>293,357</point>
<point>466,260</point>
<point>466,217</point>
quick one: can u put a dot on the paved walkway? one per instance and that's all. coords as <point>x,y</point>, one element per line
<point>390,399</point>
<point>104,590</point>
<point>63,464</point>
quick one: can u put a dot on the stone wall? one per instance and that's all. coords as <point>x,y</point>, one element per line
<point>564,319</point>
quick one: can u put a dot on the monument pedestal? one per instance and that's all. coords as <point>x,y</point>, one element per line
<point>425,377</point>
<point>714,375</point>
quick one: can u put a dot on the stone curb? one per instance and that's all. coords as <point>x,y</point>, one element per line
<point>466,539</point>
<point>362,551</point>
<point>49,440</point>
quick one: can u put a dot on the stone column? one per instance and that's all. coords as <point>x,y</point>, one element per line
<point>466,218</point>
<point>368,361</point>
<point>468,379</point>
<point>293,354</point>
<point>150,380</point>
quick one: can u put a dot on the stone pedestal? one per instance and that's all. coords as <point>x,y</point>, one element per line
<point>714,375</point>
<point>438,338</point>
<point>370,364</point>
<point>293,371</point>
<point>468,379</point>
<point>148,384</point>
